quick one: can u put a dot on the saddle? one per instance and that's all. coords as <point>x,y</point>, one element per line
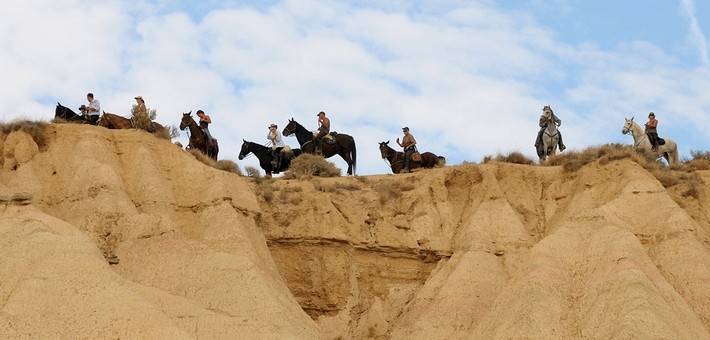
<point>661,141</point>
<point>416,157</point>
<point>330,138</point>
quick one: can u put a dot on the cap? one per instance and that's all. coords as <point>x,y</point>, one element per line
<point>651,114</point>
<point>405,129</point>
<point>273,126</point>
<point>138,97</point>
<point>320,113</point>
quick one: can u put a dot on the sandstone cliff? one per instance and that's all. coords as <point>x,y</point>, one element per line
<point>464,252</point>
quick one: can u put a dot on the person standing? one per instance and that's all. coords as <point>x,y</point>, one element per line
<point>651,129</point>
<point>323,129</point>
<point>409,145</point>
<point>277,144</point>
<point>91,112</point>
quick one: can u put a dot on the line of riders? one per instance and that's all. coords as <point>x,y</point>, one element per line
<point>650,128</point>
<point>322,135</point>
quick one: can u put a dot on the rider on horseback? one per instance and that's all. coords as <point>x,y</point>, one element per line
<point>544,120</point>
<point>91,113</point>
<point>323,129</point>
<point>277,144</point>
<point>205,120</point>
<point>409,145</point>
<point>651,130</point>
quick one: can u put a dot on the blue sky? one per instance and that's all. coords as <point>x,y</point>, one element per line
<point>468,77</point>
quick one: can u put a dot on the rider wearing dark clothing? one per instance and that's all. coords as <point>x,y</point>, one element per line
<point>651,129</point>
<point>543,125</point>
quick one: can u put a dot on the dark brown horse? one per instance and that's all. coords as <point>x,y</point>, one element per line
<point>114,121</point>
<point>67,114</point>
<point>396,159</point>
<point>198,138</point>
<point>344,144</point>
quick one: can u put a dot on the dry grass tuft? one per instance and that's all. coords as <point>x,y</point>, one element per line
<point>308,165</point>
<point>33,128</point>
<point>252,172</point>
<point>229,166</point>
<point>203,158</point>
<point>266,190</point>
<point>513,157</point>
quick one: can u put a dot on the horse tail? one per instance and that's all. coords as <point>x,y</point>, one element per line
<point>442,161</point>
<point>353,155</point>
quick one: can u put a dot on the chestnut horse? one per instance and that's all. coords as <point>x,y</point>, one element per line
<point>344,144</point>
<point>198,138</point>
<point>114,121</point>
<point>396,159</point>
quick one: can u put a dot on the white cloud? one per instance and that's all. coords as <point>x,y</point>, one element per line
<point>468,78</point>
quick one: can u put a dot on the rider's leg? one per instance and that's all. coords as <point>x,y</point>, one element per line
<point>559,142</point>
<point>538,140</point>
<point>407,155</point>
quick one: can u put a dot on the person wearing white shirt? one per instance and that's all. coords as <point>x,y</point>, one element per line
<point>277,144</point>
<point>91,112</point>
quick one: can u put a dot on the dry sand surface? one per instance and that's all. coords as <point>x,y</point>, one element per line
<point>492,251</point>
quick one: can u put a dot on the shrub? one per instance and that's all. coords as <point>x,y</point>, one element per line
<point>33,128</point>
<point>229,166</point>
<point>514,157</point>
<point>142,120</point>
<point>307,165</point>
<point>252,172</point>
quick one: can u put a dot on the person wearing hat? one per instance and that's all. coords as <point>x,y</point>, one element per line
<point>651,129</point>
<point>409,145</point>
<point>323,129</point>
<point>543,125</point>
<point>91,112</point>
<point>140,105</point>
<point>277,144</point>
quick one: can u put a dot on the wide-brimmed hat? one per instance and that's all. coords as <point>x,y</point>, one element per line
<point>138,97</point>
<point>273,126</point>
<point>405,129</point>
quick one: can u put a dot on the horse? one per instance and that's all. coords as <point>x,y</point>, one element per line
<point>67,114</point>
<point>668,150</point>
<point>344,144</point>
<point>396,159</point>
<point>550,137</point>
<point>114,121</point>
<point>198,138</point>
<point>263,153</point>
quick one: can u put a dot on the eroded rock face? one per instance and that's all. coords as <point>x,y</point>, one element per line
<point>471,251</point>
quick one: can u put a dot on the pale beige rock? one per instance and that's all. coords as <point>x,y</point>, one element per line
<point>464,252</point>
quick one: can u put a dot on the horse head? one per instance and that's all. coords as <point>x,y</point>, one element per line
<point>186,119</point>
<point>103,121</point>
<point>244,150</point>
<point>628,125</point>
<point>290,128</point>
<point>547,112</point>
<point>385,150</point>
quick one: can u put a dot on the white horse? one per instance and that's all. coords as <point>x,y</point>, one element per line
<point>550,137</point>
<point>669,150</point>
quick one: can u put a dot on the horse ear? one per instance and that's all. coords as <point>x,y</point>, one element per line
<point>387,143</point>
<point>244,140</point>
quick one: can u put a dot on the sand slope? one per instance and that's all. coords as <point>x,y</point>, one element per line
<point>463,252</point>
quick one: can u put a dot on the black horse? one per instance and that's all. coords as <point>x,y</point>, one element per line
<point>67,114</point>
<point>263,153</point>
<point>344,144</point>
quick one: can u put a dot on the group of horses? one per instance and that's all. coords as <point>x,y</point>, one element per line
<point>341,144</point>
<point>107,120</point>
<point>668,149</point>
